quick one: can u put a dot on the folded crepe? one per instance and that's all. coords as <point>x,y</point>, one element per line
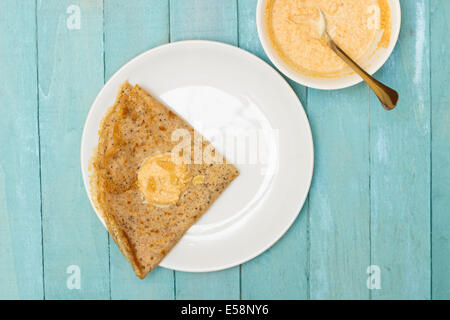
<point>149,200</point>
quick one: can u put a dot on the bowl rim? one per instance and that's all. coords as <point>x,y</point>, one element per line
<point>327,83</point>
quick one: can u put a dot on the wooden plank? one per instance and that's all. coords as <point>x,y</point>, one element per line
<point>217,285</point>
<point>20,215</point>
<point>400,165</point>
<point>287,261</point>
<point>339,201</point>
<point>440,97</point>
<point>124,39</point>
<point>70,76</point>
<point>203,19</point>
<point>211,20</point>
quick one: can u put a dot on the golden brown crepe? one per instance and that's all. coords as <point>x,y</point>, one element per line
<point>147,201</point>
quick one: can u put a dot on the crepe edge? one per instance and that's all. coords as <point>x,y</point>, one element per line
<point>119,237</point>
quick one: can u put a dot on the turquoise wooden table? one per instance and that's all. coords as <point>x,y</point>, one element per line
<point>376,224</point>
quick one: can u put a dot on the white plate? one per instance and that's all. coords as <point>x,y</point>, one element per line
<point>375,62</point>
<point>218,86</point>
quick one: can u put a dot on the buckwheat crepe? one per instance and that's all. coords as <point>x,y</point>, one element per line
<point>148,201</point>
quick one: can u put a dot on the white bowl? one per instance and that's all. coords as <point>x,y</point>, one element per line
<point>372,65</point>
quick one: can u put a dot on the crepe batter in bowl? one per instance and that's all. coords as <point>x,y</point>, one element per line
<point>366,30</point>
<point>357,26</point>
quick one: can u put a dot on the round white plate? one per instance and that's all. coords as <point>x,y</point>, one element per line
<point>225,93</point>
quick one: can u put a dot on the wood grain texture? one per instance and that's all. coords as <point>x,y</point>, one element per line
<point>400,165</point>
<point>125,38</point>
<point>20,216</point>
<point>70,76</point>
<point>204,19</point>
<point>440,97</point>
<point>339,201</point>
<point>287,261</point>
<point>211,20</point>
<point>377,174</point>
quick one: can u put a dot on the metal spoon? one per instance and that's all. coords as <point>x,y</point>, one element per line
<point>387,96</point>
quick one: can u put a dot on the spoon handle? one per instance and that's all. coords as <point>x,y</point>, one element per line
<point>387,96</point>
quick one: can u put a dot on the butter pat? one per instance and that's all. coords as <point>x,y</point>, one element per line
<point>161,180</point>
